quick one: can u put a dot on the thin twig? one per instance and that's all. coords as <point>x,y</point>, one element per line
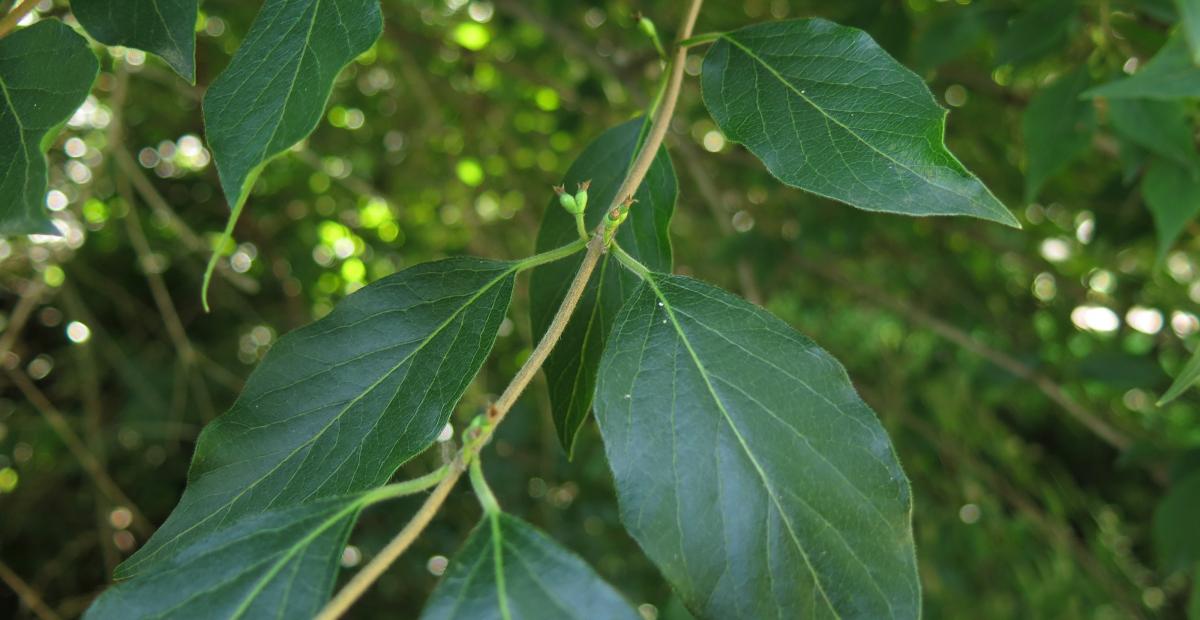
<point>1013,366</point>
<point>8,22</point>
<point>78,449</point>
<point>29,597</point>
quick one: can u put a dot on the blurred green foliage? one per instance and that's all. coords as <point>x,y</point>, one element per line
<point>1017,371</point>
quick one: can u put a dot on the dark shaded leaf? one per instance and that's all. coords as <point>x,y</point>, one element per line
<point>506,562</point>
<point>1161,127</point>
<point>1170,75</point>
<point>337,406</point>
<point>1039,30</point>
<point>830,112</point>
<point>571,368</point>
<point>276,564</point>
<point>1172,194</point>
<point>1057,127</point>
<point>46,71</point>
<point>746,465</point>
<point>166,28</point>
<point>1176,537</point>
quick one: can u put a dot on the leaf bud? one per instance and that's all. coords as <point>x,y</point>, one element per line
<point>566,200</point>
<point>581,196</point>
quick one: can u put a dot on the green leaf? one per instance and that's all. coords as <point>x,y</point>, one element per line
<point>746,465</point>
<point>1176,538</point>
<point>166,28</point>
<point>1172,194</point>
<point>337,406</point>
<point>571,368</point>
<point>1057,128</point>
<point>1171,74</point>
<point>508,564</point>
<point>284,73</point>
<point>1161,127</point>
<point>276,564</point>
<point>1037,31</point>
<point>1186,379</point>
<point>830,112</point>
<point>1189,18</point>
<point>46,71</point>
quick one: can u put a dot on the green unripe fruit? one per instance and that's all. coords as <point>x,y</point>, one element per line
<point>567,201</point>
<point>581,196</point>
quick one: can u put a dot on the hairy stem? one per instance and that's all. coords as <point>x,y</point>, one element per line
<point>8,22</point>
<point>496,413</point>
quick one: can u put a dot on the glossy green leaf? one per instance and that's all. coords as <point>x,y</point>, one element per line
<point>1171,74</point>
<point>166,28</point>
<point>571,368</point>
<point>1057,127</point>
<point>508,564</point>
<point>46,71</point>
<point>274,91</point>
<point>1039,30</point>
<point>1176,537</point>
<point>1172,194</point>
<point>337,406</point>
<point>1161,127</point>
<point>276,564</point>
<point>746,465</point>
<point>830,112</point>
<point>1186,379</point>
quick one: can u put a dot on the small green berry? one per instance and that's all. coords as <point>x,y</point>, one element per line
<point>581,196</point>
<point>566,200</point>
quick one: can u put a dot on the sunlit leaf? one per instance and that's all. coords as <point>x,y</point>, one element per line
<point>46,71</point>
<point>746,465</point>
<point>508,565</point>
<point>337,406</point>
<point>830,112</point>
<point>571,368</point>
<point>166,28</point>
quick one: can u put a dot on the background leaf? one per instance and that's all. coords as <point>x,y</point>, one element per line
<point>539,578</point>
<point>746,465</point>
<point>1037,31</point>
<point>284,72</point>
<point>571,368</point>
<point>1189,19</point>
<point>279,563</point>
<point>337,406</point>
<point>1161,127</point>
<point>1057,128</point>
<point>830,112</point>
<point>166,28</point>
<point>1170,74</point>
<point>1176,538</point>
<point>1172,194</point>
<point>1187,378</point>
<point>46,71</point>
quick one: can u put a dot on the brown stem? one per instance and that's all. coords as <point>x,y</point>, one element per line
<point>29,597</point>
<point>8,22</point>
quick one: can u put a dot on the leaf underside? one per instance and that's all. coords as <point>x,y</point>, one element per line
<point>166,28</point>
<point>337,406</point>
<point>828,111</point>
<point>746,465</point>
<point>46,71</point>
<point>506,559</point>
<point>274,91</point>
<point>571,368</point>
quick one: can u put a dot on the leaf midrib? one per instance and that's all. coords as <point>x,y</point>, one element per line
<point>506,273</point>
<point>649,280</point>
<point>839,123</point>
